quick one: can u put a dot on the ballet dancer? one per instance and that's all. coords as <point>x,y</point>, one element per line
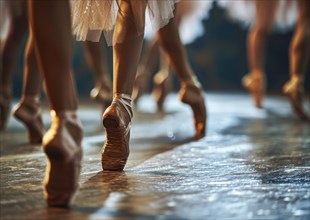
<point>127,41</point>
<point>267,14</point>
<point>299,60</point>
<point>16,16</point>
<point>62,142</point>
<point>28,110</point>
<point>51,31</point>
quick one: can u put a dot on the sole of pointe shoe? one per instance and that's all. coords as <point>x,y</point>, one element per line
<point>62,200</point>
<point>110,159</point>
<point>111,164</point>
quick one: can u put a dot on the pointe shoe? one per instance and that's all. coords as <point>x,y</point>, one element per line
<point>102,96</point>
<point>62,146</point>
<point>117,121</point>
<point>162,87</point>
<point>29,113</point>
<point>5,105</point>
<point>255,84</point>
<point>295,91</point>
<point>192,94</point>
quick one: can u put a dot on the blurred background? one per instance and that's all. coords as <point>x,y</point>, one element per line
<point>218,58</point>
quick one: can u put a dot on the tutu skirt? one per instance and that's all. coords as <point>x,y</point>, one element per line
<point>189,14</point>
<point>91,18</point>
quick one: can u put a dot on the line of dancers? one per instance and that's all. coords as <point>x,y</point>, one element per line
<point>122,23</point>
<point>263,17</point>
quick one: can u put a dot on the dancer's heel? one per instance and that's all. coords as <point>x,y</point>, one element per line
<point>62,146</point>
<point>29,113</point>
<point>116,121</point>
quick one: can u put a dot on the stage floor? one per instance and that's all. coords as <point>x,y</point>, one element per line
<point>253,164</point>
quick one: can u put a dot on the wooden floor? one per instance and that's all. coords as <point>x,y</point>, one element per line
<point>253,164</point>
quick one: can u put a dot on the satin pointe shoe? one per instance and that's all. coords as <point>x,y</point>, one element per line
<point>295,91</point>
<point>102,95</point>
<point>192,94</point>
<point>162,87</point>
<point>117,121</point>
<point>29,113</point>
<point>5,105</point>
<point>255,84</point>
<point>62,146</point>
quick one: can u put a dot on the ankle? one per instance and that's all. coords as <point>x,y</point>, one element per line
<point>70,120</point>
<point>256,73</point>
<point>33,100</point>
<point>297,79</point>
<point>161,76</point>
<point>126,102</point>
<point>191,82</point>
<point>28,108</point>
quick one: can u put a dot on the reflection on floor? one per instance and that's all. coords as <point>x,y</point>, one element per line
<point>253,164</point>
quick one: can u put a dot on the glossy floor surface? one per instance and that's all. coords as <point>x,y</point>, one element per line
<point>253,164</point>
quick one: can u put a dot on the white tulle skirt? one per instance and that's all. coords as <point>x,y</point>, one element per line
<point>190,14</point>
<point>244,11</point>
<point>91,18</point>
